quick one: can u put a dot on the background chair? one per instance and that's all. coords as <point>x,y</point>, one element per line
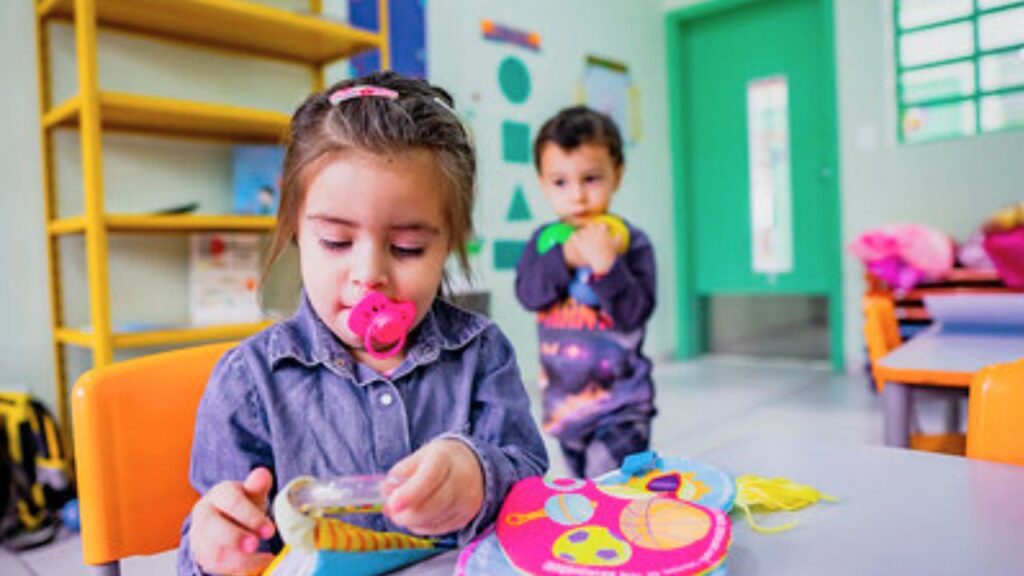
<point>881,336</point>
<point>995,414</point>
<point>133,424</point>
<point>881,330</point>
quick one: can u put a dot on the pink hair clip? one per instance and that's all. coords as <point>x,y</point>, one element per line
<point>361,91</point>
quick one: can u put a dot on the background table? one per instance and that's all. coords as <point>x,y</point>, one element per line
<point>939,356</point>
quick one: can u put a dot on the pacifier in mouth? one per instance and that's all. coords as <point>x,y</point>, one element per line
<point>382,323</point>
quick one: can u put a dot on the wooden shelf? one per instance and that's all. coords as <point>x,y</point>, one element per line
<point>169,117</point>
<point>230,24</point>
<point>128,223</point>
<point>149,338</point>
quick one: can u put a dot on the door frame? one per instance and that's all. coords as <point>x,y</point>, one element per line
<point>692,317</point>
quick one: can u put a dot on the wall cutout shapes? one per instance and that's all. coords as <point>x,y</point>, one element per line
<point>516,148</point>
<point>515,142</point>
<point>514,80</point>
<point>501,33</point>
<point>519,209</point>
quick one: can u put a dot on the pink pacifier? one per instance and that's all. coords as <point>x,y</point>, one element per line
<point>383,324</point>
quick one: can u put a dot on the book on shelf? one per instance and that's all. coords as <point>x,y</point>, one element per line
<point>256,178</point>
<point>224,272</point>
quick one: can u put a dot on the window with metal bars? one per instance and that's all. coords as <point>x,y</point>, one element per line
<point>959,67</point>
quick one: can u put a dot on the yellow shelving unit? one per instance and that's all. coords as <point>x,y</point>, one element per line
<point>235,25</point>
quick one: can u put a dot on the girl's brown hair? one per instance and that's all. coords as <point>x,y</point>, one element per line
<point>422,117</point>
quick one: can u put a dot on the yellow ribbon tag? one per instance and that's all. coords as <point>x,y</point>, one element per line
<point>756,494</point>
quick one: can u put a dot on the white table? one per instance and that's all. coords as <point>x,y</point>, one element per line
<point>900,512</point>
<point>939,356</point>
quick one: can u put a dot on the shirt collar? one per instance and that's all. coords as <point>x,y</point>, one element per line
<point>304,338</point>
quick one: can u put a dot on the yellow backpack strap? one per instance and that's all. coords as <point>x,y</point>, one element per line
<point>12,408</point>
<point>50,454</point>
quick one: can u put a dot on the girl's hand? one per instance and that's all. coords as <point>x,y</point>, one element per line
<point>596,246</point>
<point>228,524</point>
<point>440,488</point>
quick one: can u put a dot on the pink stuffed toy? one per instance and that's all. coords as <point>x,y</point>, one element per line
<point>1004,242</point>
<point>904,255</point>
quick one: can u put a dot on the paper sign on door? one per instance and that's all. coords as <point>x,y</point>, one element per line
<point>770,183</point>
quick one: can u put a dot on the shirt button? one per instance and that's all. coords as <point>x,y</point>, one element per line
<point>386,399</point>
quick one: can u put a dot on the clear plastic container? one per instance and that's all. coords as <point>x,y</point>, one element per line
<point>337,496</point>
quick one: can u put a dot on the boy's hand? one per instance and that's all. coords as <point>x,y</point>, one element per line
<point>228,524</point>
<point>596,247</point>
<point>441,488</point>
<point>571,253</point>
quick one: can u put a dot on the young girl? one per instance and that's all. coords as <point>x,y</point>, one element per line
<point>377,191</point>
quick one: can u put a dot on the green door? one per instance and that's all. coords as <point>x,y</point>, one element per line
<point>754,127</point>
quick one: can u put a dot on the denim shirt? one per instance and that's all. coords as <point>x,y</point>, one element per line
<point>293,399</point>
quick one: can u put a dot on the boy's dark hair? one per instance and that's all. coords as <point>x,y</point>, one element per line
<point>576,126</point>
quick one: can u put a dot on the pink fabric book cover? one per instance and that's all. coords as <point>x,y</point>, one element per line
<point>568,526</point>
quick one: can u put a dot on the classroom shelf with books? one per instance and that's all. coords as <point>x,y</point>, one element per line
<point>307,38</point>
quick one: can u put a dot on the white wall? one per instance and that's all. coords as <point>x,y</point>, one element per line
<point>148,274</point>
<point>624,30</point>
<point>25,353</point>
<point>952,185</point>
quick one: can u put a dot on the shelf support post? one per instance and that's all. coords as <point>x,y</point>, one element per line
<point>383,33</point>
<point>92,180</point>
<point>50,214</point>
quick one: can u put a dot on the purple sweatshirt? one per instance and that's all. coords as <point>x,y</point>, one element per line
<point>594,371</point>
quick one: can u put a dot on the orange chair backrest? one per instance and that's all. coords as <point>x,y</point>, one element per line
<point>995,414</point>
<point>133,424</point>
<point>881,328</point>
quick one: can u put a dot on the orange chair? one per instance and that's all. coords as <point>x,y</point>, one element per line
<point>881,329</point>
<point>881,336</point>
<point>995,414</point>
<point>133,425</point>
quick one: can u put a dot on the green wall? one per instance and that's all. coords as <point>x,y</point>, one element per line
<point>149,275</point>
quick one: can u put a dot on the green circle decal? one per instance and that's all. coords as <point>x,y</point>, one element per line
<point>514,79</point>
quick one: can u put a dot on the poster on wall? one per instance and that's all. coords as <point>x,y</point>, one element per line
<point>770,180</point>
<point>608,88</point>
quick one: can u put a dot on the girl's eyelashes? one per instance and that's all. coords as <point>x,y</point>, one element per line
<point>335,245</point>
<point>399,251</point>
<point>407,251</point>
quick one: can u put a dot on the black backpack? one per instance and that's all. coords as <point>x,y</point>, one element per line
<point>34,482</point>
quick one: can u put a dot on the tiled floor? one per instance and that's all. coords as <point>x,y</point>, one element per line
<point>703,405</point>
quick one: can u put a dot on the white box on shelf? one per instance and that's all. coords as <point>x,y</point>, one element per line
<point>224,271</point>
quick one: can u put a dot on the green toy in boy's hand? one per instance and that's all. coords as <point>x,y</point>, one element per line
<point>553,235</point>
<point>559,233</point>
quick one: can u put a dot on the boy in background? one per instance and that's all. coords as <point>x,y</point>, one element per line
<point>591,279</point>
